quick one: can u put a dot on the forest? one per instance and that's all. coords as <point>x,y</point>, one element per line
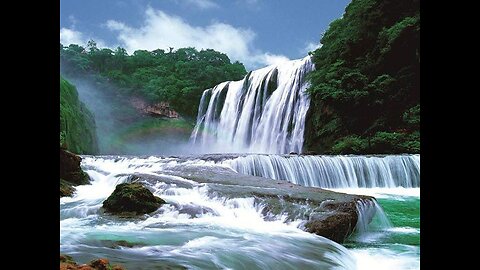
<point>177,76</point>
<point>365,91</point>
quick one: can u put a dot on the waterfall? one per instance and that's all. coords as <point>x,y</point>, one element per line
<point>334,171</point>
<point>368,210</point>
<point>262,113</point>
<point>372,222</point>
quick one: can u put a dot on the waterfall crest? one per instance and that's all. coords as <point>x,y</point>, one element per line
<point>334,171</point>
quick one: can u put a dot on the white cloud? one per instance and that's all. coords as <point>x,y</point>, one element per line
<point>161,30</point>
<point>310,46</point>
<point>272,59</point>
<point>70,36</point>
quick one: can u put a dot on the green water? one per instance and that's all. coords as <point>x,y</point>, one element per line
<point>397,247</point>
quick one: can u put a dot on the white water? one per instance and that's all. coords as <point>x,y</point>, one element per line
<point>194,228</point>
<point>389,171</point>
<point>263,113</point>
<point>202,231</point>
<point>367,210</point>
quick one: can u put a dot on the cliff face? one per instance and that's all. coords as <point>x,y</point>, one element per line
<point>77,125</point>
<point>71,174</point>
<point>161,109</point>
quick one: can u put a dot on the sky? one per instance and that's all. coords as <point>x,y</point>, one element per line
<point>255,32</point>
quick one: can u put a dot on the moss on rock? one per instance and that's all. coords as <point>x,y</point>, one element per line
<point>131,198</point>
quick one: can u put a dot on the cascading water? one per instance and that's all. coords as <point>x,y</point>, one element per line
<point>196,228</point>
<point>334,171</point>
<point>368,210</point>
<point>263,113</point>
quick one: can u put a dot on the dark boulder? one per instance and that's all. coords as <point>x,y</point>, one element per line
<point>128,198</point>
<point>336,221</point>
<point>67,263</point>
<point>66,188</point>
<point>70,168</point>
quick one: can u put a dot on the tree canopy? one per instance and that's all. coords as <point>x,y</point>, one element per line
<point>365,91</point>
<point>177,76</point>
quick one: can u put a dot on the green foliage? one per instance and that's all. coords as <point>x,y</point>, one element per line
<point>365,87</point>
<point>412,116</point>
<point>350,145</point>
<point>380,142</point>
<point>77,125</point>
<point>178,77</point>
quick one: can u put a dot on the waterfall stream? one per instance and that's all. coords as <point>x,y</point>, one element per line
<point>263,113</point>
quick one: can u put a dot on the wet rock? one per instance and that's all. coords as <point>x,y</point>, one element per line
<point>119,243</point>
<point>66,259</point>
<point>100,264</point>
<point>329,214</point>
<point>67,263</point>
<point>66,188</point>
<point>70,168</point>
<point>131,198</point>
<point>194,210</point>
<point>335,221</point>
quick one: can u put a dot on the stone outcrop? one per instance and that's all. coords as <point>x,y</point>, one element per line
<point>131,198</point>
<point>70,168</point>
<point>160,109</point>
<point>334,220</point>
<point>67,263</point>
<point>71,174</point>
<point>329,214</point>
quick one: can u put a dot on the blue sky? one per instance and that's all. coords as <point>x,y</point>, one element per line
<point>255,32</point>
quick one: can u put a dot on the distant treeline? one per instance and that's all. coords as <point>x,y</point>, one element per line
<point>177,76</point>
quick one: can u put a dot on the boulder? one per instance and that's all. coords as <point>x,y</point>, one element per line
<point>67,263</point>
<point>131,198</point>
<point>335,221</point>
<point>66,188</point>
<point>70,168</point>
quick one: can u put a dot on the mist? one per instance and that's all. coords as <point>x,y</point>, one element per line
<point>124,130</point>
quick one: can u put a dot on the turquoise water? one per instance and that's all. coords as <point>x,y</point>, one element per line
<point>397,247</point>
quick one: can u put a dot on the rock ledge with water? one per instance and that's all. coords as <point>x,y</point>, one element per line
<point>326,213</point>
<point>131,198</point>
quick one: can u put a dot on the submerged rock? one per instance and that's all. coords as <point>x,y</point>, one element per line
<point>120,243</point>
<point>131,198</point>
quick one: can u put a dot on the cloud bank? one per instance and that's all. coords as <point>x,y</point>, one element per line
<point>161,30</point>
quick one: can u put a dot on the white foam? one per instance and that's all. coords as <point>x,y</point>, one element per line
<point>407,230</point>
<point>386,259</point>
<point>396,193</point>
